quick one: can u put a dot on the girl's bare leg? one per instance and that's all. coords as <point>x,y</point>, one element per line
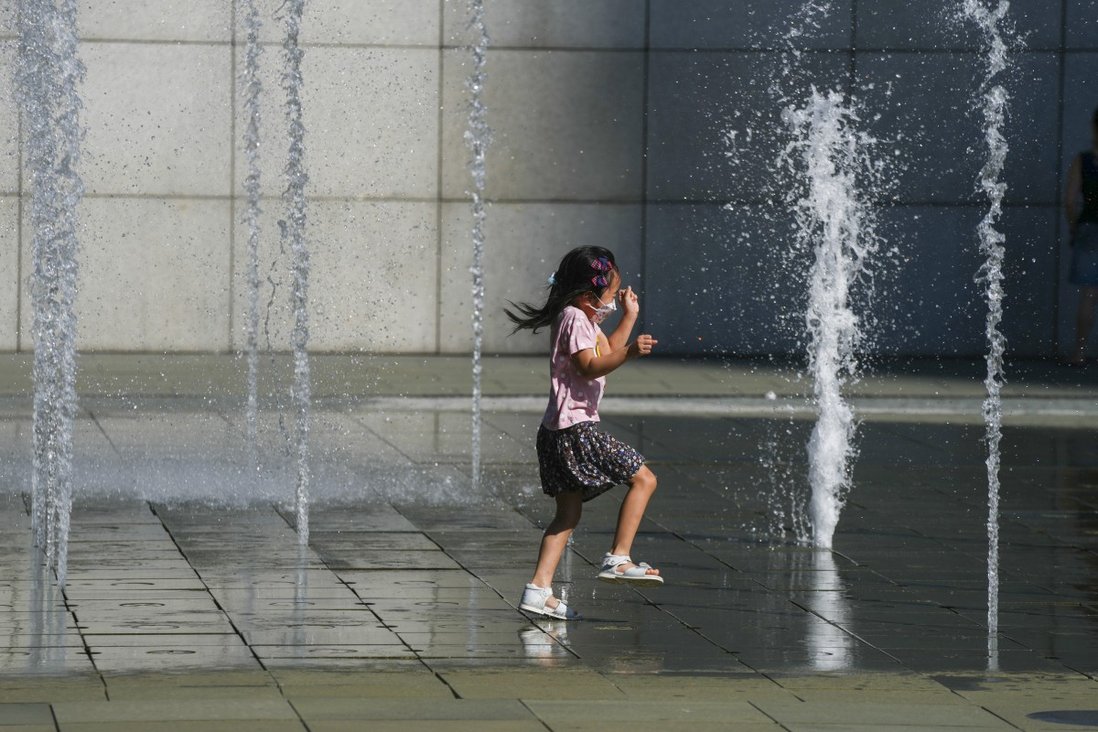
<point>641,487</point>
<point>1084,322</point>
<point>553,543</point>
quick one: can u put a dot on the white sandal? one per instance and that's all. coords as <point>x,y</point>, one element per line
<point>534,599</point>
<point>635,575</point>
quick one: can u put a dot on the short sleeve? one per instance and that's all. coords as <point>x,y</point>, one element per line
<point>577,332</point>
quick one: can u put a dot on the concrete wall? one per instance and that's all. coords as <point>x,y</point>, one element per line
<point>609,117</point>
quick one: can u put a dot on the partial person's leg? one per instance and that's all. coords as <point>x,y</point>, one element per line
<point>641,487</point>
<point>555,539</point>
<point>1084,322</point>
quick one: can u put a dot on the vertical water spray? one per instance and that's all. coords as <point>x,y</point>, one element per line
<point>34,76</point>
<point>828,153</point>
<point>818,167</point>
<point>477,137</point>
<point>47,76</point>
<point>996,100</point>
<point>293,230</point>
<point>252,90</point>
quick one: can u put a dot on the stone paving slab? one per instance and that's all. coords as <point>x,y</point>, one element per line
<point>164,710</point>
<point>45,689</point>
<point>45,661</point>
<point>602,725</point>
<point>882,714</point>
<point>205,725</point>
<point>654,710</point>
<point>913,727</point>
<point>168,658</point>
<point>12,714</point>
<point>443,725</point>
<point>416,682</point>
<point>316,710</point>
<point>196,694</point>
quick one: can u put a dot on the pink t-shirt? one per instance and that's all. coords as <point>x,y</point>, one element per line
<point>573,398</point>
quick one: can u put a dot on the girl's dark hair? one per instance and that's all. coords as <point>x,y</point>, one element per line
<point>583,270</point>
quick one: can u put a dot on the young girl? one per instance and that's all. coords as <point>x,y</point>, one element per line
<point>577,460</point>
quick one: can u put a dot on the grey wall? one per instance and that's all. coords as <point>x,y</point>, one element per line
<point>609,117</point>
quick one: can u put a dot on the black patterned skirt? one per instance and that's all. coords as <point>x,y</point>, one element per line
<point>584,459</point>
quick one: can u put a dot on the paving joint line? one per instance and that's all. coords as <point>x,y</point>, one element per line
<point>997,716</point>
<point>383,439</point>
<point>213,598</point>
<point>768,590</point>
<point>692,628</point>
<point>70,611</point>
<point>91,415</point>
<point>845,631</point>
<point>87,647</point>
<point>480,579</point>
<point>769,716</point>
<point>534,714</point>
<point>369,607</point>
<point>297,711</point>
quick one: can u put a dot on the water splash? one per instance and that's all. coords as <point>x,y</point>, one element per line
<point>992,22</point>
<point>48,74</point>
<point>477,137</point>
<point>829,154</point>
<point>786,498</point>
<point>794,77</point>
<point>293,231</point>
<point>820,172</point>
<point>252,90</point>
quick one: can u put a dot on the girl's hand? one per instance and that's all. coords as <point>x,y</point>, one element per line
<point>642,346</point>
<point>629,302</point>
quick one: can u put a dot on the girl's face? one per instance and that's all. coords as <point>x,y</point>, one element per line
<point>591,301</point>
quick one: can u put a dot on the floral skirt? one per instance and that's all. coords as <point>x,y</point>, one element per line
<point>1084,254</point>
<point>584,459</point>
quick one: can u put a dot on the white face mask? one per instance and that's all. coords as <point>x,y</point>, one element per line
<point>603,311</point>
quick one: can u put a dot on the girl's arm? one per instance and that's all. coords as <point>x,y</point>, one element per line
<point>592,367</point>
<point>1072,192</point>
<point>630,309</point>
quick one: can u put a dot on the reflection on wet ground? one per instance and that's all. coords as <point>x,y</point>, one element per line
<point>431,577</point>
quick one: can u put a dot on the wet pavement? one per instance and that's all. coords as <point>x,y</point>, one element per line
<point>206,613</point>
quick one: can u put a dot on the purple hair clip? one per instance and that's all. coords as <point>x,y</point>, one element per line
<point>602,264</point>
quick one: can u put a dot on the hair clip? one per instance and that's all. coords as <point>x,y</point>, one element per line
<point>602,264</point>
<point>552,279</point>
<point>599,281</point>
